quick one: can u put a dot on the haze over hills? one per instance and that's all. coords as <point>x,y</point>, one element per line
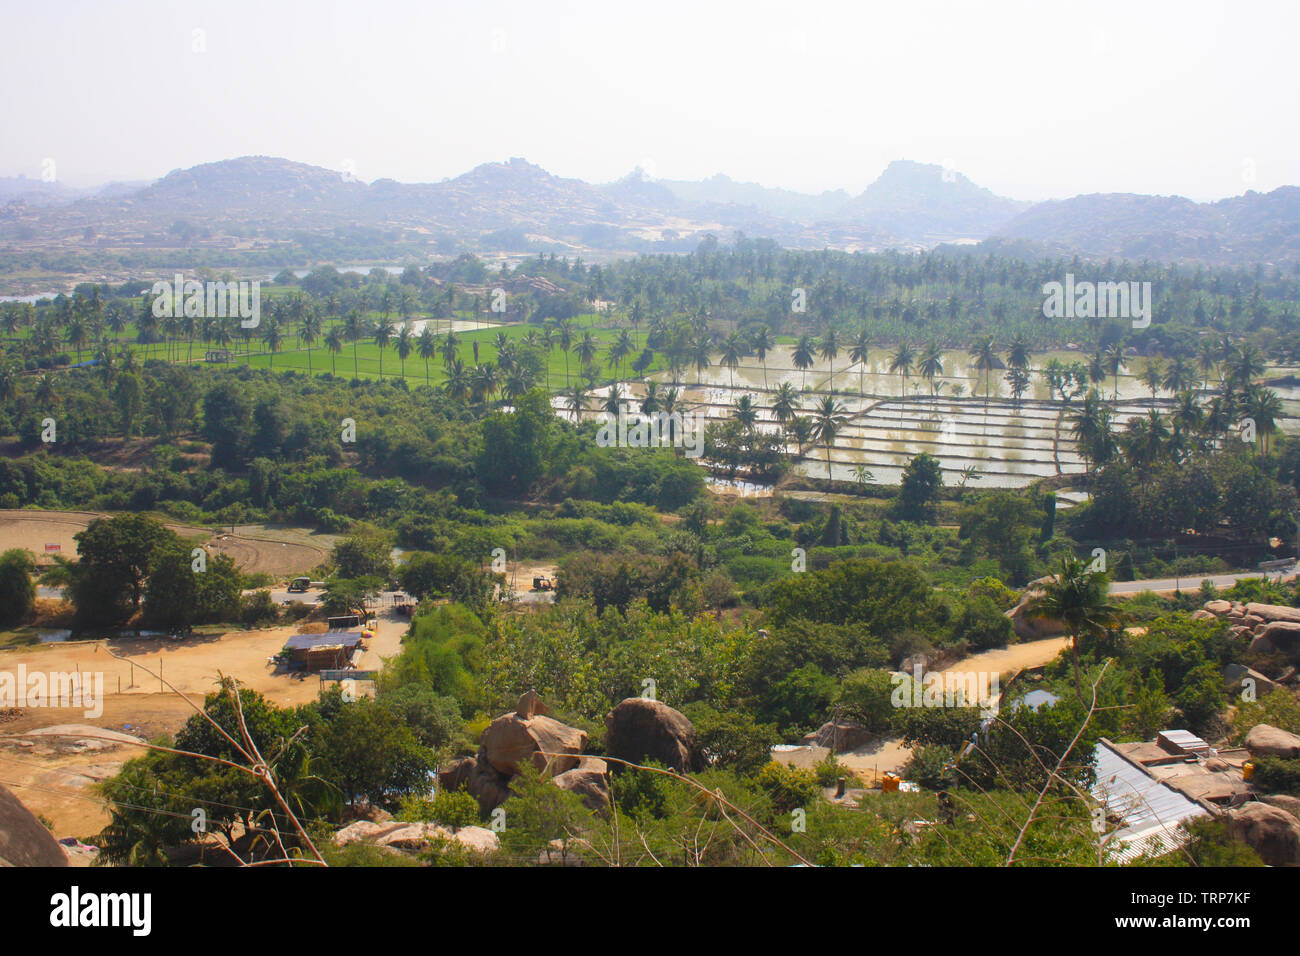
<point>271,207</point>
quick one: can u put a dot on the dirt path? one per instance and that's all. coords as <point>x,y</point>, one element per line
<point>58,785</point>
<point>889,753</point>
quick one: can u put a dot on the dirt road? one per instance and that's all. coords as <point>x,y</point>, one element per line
<point>890,754</point>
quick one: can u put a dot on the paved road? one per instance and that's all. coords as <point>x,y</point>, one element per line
<point>1192,582</point>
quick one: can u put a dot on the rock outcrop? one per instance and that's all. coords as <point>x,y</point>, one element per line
<point>522,737</point>
<point>417,836</point>
<point>1270,831</point>
<point>24,841</point>
<point>1267,739</point>
<point>640,729</point>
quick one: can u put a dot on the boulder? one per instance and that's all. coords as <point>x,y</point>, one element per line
<point>1252,621</point>
<point>1203,615</point>
<point>489,787</point>
<point>1274,612</point>
<point>1283,635</point>
<point>639,729</point>
<point>416,836</point>
<point>456,774</point>
<point>1218,607</point>
<point>1270,831</point>
<point>1283,801</point>
<point>589,780</point>
<point>1267,739</point>
<point>511,739</point>
<point>24,841</point>
<point>839,736</point>
<point>1235,677</point>
<point>1030,628</point>
<point>1259,644</point>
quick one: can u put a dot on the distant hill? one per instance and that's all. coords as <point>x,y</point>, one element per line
<point>1255,227</point>
<point>266,209</point>
<point>925,201</point>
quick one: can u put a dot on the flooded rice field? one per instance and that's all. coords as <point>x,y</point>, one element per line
<point>892,418</point>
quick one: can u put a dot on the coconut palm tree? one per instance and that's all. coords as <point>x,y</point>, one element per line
<point>859,352</point>
<point>984,354</point>
<point>1018,354</point>
<point>308,330</point>
<point>931,366</point>
<point>734,349</point>
<point>901,362</point>
<point>449,347</point>
<point>828,419</point>
<point>426,346</point>
<point>1262,406</point>
<point>457,384</point>
<point>762,343</point>
<point>829,347</point>
<point>1075,596</point>
<point>354,327</point>
<point>564,335</point>
<point>701,350</point>
<point>273,336</point>
<point>576,396</point>
<point>1114,354</point>
<point>804,355</point>
<point>382,333</point>
<point>1153,376</point>
<point>785,403</point>
<point>746,413</point>
<point>405,345</point>
<point>334,345</point>
<point>1179,376</point>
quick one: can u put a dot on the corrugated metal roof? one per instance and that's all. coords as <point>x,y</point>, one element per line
<point>1150,809</point>
<point>305,642</point>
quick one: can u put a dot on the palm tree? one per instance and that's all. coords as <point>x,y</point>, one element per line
<point>901,362</point>
<point>577,399</point>
<point>273,336</point>
<point>859,352</point>
<point>613,401</point>
<point>1263,407</point>
<point>354,327</point>
<point>931,366</point>
<point>1207,359</point>
<point>1018,354</point>
<point>382,333</point>
<point>762,343</point>
<point>405,344</point>
<point>746,414</point>
<point>785,403</point>
<point>804,355</point>
<point>828,419</point>
<point>565,330</point>
<point>457,383</point>
<point>733,350</point>
<point>1114,354</point>
<point>1179,376</point>
<point>426,346</point>
<point>1153,376</point>
<point>985,356</point>
<point>829,347</point>
<point>1075,596</point>
<point>701,350</point>
<point>334,344</point>
<point>587,349</point>
<point>449,347</point>
<point>308,331</point>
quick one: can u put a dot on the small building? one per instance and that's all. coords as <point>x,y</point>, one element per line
<point>218,355</point>
<point>329,651</point>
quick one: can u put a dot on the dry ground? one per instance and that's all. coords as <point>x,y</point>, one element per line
<point>58,785</point>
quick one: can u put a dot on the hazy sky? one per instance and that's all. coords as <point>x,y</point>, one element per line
<point>1032,99</point>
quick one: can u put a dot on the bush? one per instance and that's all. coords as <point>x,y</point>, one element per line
<point>454,808</point>
<point>257,609</point>
<point>1278,774</point>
